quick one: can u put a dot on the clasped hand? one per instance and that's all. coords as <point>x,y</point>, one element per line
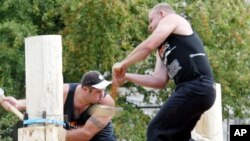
<point>118,73</point>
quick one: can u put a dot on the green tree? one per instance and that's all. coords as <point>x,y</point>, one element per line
<point>98,33</point>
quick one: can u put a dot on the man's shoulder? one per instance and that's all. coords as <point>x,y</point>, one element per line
<point>108,100</point>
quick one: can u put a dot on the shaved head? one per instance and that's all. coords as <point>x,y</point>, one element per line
<point>163,7</point>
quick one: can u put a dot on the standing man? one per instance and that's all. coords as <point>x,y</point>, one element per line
<point>180,56</point>
<point>78,100</point>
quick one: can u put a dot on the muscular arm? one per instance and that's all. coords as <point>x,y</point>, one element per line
<point>20,104</point>
<point>93,125</point>
<point>165,27</point>
<point>89,130</point>
<point>157,80</point>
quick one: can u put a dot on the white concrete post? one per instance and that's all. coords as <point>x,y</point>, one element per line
<point>209,127</point>
<point>44,88</point>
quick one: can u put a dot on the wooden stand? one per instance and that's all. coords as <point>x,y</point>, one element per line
<point>41,133</point>
<point>44,88</point>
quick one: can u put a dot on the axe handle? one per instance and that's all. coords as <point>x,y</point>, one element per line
<point>114,89</point>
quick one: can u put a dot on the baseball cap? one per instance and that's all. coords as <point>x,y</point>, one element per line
<point>94,79</point>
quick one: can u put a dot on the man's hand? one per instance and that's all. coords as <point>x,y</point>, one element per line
<point>19,104</point>
<point>117,69</point>
<point>9,107</point>
<point>11,100</point>
<point>118,73</point>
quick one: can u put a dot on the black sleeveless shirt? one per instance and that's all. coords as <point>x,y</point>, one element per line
<point>106,134</point>
<point>185,58</point>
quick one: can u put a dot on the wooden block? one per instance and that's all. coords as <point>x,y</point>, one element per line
<point>41,133</point>
<point>44,79</point>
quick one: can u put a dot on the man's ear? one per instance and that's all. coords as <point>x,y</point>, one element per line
<point>163,13</point>
<point>85,88</point>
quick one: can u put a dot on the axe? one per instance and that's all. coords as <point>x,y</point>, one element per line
<point>103,110</point>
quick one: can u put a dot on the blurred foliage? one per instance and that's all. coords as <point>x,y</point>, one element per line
<point>6,126</point>
<point>131,123</point>
<point>97,33</point>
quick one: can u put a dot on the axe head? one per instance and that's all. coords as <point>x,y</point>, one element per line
<point>103,110</point>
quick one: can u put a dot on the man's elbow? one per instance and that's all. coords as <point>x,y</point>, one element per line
<point>160,86</point>
<point>160,82</point>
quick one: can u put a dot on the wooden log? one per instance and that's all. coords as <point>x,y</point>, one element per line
<point>209,127</point>
<point>41,133</point>
<point>44,87</point>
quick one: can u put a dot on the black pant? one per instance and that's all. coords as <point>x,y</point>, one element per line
<point>15,128</point>
<point>179,115</point>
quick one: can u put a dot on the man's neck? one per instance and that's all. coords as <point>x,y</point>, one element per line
<point>79,100</point>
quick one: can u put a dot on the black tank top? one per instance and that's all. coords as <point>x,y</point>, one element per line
<point>106,134</point>
<point>185,58</point>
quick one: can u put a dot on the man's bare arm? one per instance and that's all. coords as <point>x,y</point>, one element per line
<point>157,80</point>
<point>93,125</point>
<point>165,27</point>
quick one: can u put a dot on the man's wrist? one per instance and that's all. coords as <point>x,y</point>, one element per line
<point>124,65</point>
<point>21,105</point>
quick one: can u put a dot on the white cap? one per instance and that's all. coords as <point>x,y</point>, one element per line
<point>95,79</point>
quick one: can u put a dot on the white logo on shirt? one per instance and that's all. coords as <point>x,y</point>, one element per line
<point>173,68</point>
<point>165,51</point>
